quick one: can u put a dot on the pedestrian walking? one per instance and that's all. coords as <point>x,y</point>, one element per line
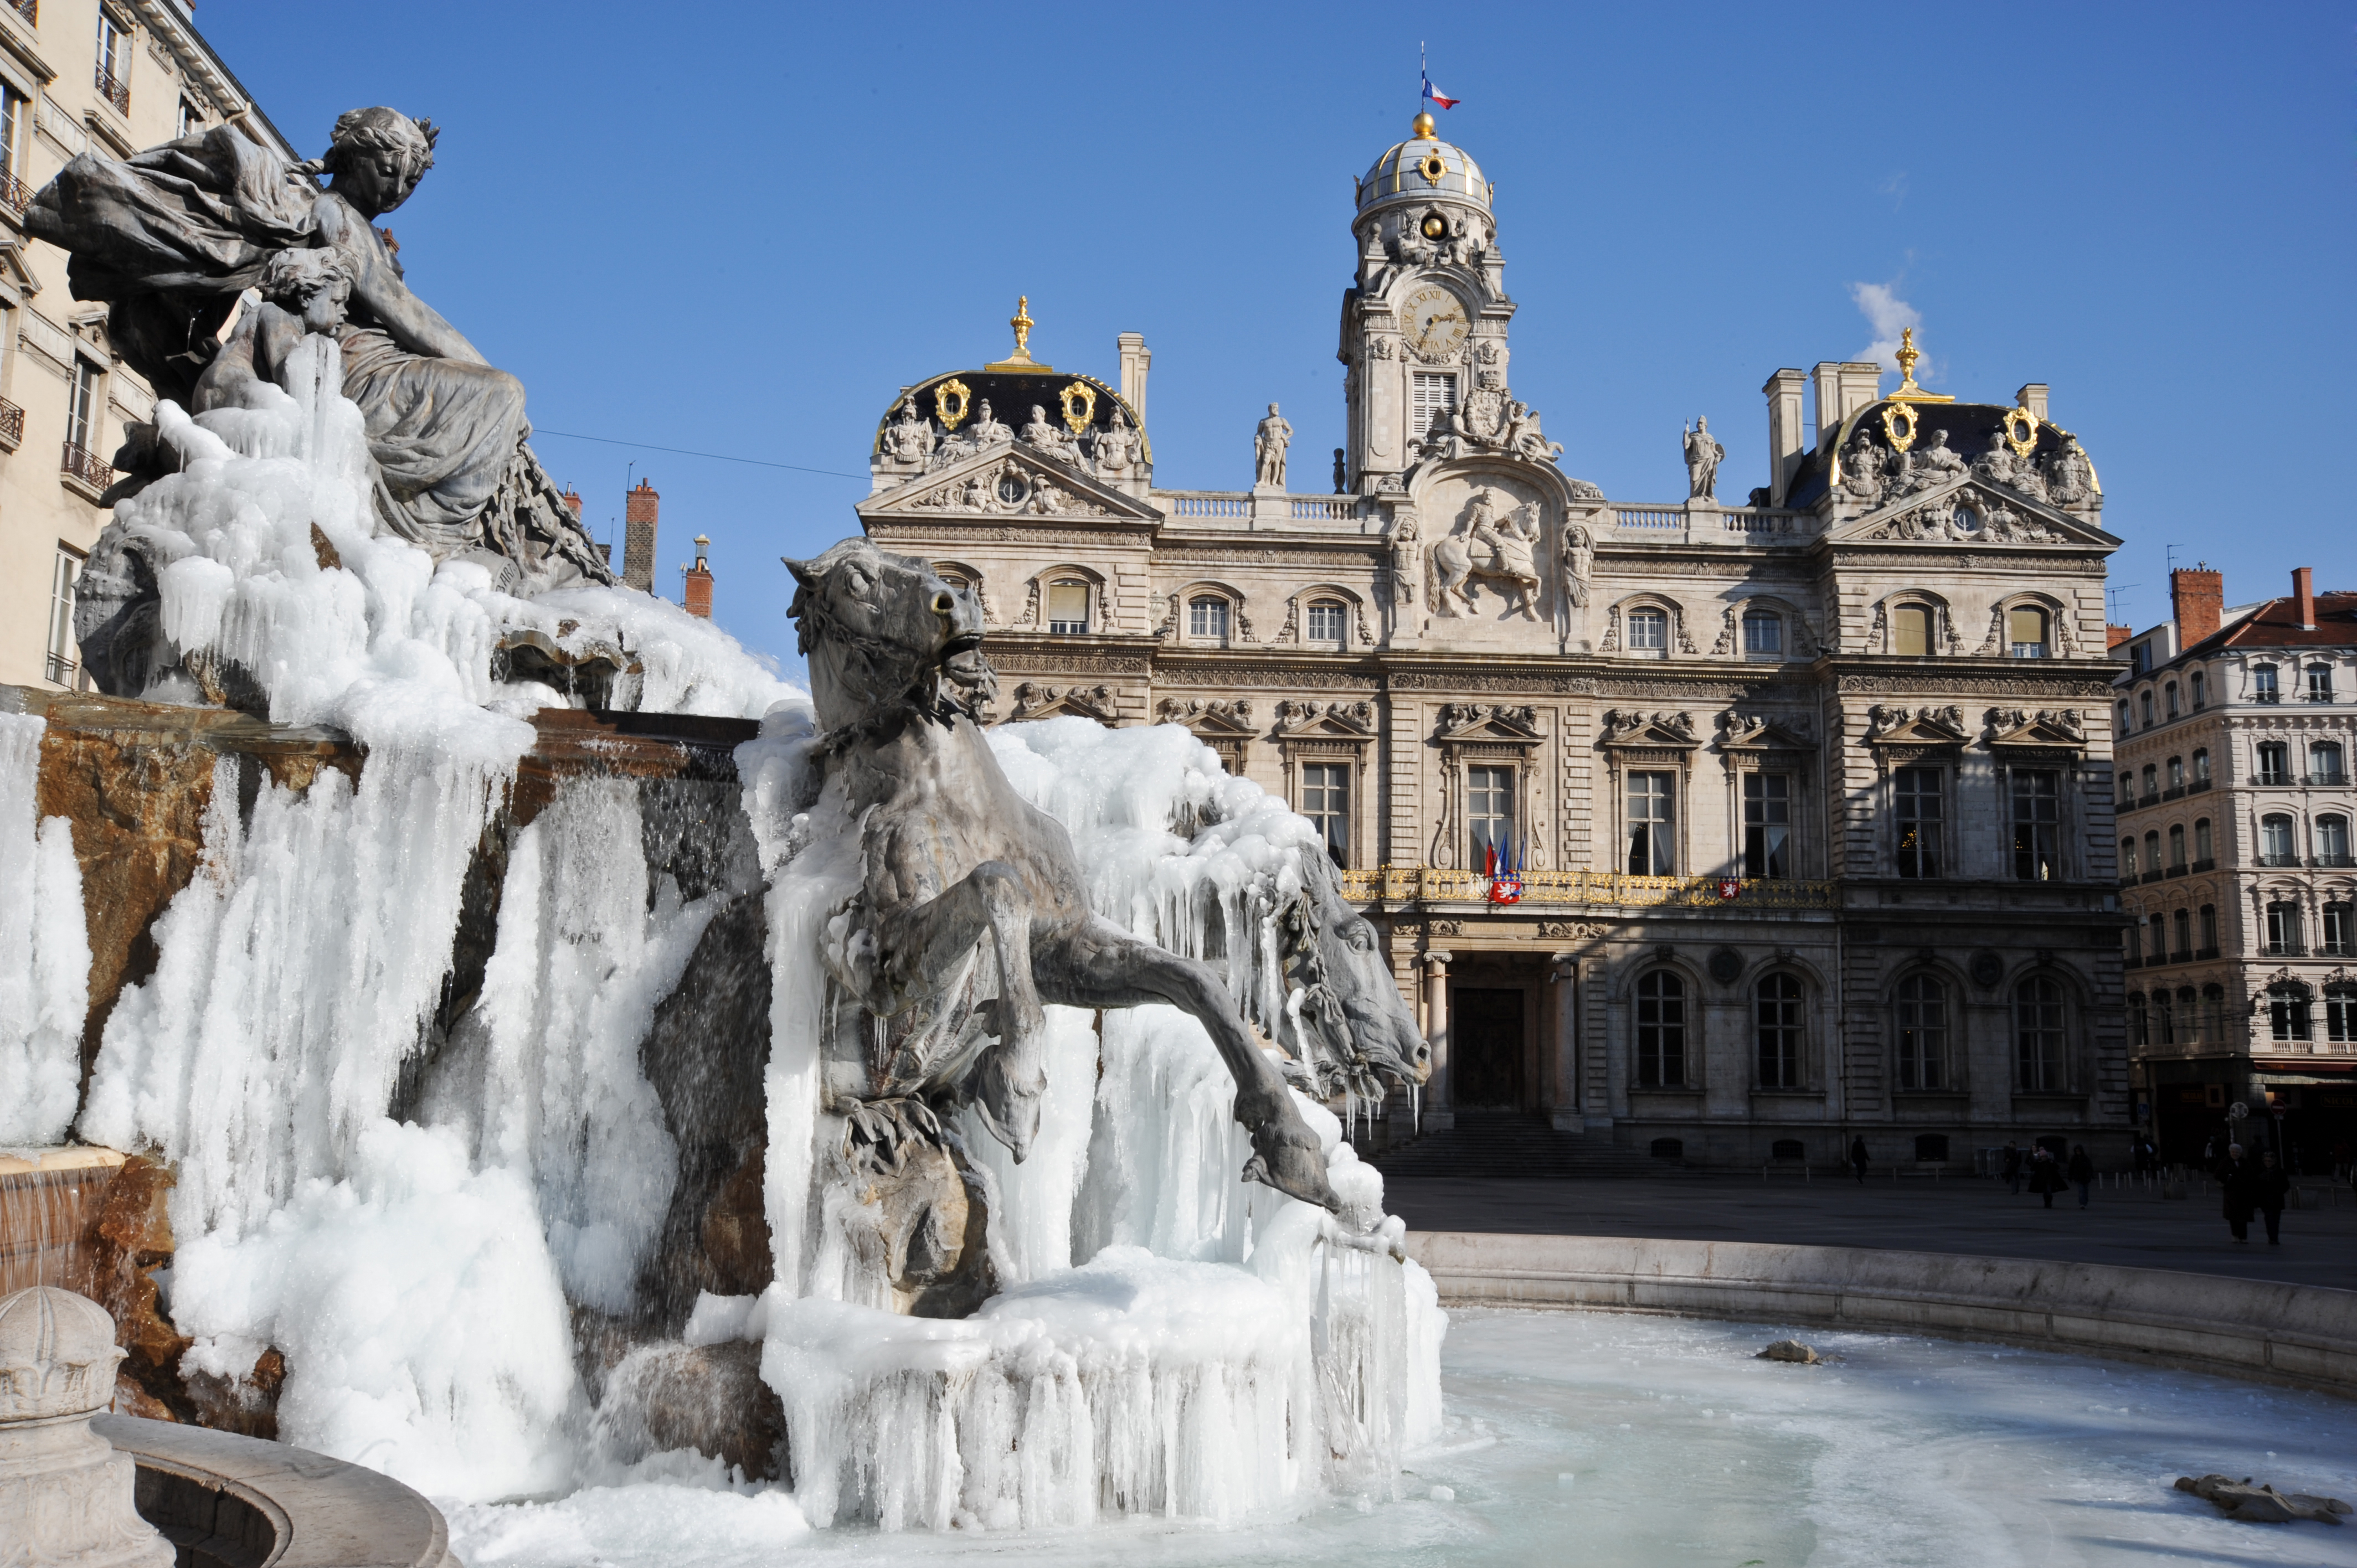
<point>2270,1188</point>
<point>2082,1172</point>
<point>2238,1180</point>
<point>2013,1167</point>
<point>2148,1158</point>
<point>2045,1175</point>
<point>1858,1157</point>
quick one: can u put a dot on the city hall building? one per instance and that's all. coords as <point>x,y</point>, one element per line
<point>1725,831</point>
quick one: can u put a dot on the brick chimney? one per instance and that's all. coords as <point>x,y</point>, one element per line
<point>572,498</point>
<point>638,508</point>
<point>2115,634</point>
<point>695,586</point>
<point>2197,597</point>
<point>2303,597</point>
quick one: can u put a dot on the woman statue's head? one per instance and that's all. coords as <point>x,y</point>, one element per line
<point>377,157</point>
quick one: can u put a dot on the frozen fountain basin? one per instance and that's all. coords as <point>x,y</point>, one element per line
<point>1606,1439</point>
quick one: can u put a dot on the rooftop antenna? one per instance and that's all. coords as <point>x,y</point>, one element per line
<point>2112,591</point>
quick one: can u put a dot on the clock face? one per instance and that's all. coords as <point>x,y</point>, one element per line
<point>1435,322</point>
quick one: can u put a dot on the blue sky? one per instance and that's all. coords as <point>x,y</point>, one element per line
<point>740,228</point>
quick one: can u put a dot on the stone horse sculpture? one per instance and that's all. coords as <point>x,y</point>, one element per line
<point>971,912</point>
<point>1485,545</point>
<point>1358,1033</point>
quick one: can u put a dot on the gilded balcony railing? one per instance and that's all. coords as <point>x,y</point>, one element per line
<point>1604,889</point>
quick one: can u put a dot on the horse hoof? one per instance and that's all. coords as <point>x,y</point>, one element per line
<point>1296,1173</point>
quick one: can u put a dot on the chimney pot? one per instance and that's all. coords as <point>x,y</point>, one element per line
<point>2303,593</point>
<point>2197,599</point>
<point>2115,634</point>
<point>641,506</point>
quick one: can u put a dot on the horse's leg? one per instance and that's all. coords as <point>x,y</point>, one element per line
<point>1528,589</point>
<point>924,941</point>
<point>1098,965</point>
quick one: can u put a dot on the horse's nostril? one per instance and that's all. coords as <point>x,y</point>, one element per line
<point>943,604</point>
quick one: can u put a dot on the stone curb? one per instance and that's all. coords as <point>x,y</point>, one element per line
<point>226,1501</point>
<point>2303,1335</point>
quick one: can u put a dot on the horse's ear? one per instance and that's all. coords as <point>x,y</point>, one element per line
<point>803,571</point>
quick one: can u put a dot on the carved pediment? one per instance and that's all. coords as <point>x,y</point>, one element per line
<point>1890,725</point>
<point>2046,729</point>
<point>1034,700</point>
<point>1966,509</point>
<point>1487,721</point>
<point>1210,720</point>
<point>1757,732</point>
<point>1336,721</point>
<point>1006,480</point>
<point>1627,726</point>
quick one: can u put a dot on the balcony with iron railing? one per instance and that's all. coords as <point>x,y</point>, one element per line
<point>85,470</point>
<point>1603,889</point>
<point>2333,780</point>
<point>2274,861</point>
<point>2295,947</point>
<point>15,195</point>
<point>115,90</point>
<point>12,425</point>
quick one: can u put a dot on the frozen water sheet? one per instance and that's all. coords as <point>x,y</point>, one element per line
<point>1616,1441</point>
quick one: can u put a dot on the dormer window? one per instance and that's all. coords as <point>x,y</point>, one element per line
<point>1207,618</point>
<point>2263,684</point>
<point>2201,692</point>
<point>2144,700</point>
<point>2025,633</point>
<point>1068,608</point>
<point>1326,622</point>
<point>1911,631</point>
<point>1763,635</point>
<point>1648,631</point>
<point>2170,705</point>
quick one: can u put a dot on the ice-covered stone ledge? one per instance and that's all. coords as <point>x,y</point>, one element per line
<point>2304,1336</point>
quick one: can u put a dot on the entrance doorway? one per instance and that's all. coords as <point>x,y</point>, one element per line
<point>1486,1047</point>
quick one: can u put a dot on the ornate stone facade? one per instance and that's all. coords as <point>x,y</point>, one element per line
<point>1810,798</point>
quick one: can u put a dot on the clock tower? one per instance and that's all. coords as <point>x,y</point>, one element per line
<point>1425,324</point>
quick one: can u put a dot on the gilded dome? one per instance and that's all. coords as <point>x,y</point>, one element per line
<point>1420,168</point>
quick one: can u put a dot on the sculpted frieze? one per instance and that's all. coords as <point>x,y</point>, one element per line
<point>969,531</point>
<point>1016,663</point>
<point>1930,685</point>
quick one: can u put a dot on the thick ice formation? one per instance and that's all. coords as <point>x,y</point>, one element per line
<point>44,959</point>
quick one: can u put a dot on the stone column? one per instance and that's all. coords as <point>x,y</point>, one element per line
<point>1568,1112</point>
<point>66,1495</point>
<point>1437,1113</point>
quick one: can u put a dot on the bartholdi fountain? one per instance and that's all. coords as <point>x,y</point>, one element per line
<point>517,1043</point>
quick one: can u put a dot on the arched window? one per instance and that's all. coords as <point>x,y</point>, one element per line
<point>1778,1015</point>
<point>2209,930</point>
<point>2152,854</point>
<point>1910,630</point>
<point>2201,692</point>
<point>2188,1016</point>
<point>1326,622</point>
<point>2037,1034</point>
<point>1648,631</point>
<point>2127,859</point>
<point>2284,933</point>
<point>2324,765</point>
<point>2275,762</point>
<point>2204,851</point>
<point>2159,926</point>
<point>2127,789</point>
<point>2201,767</point>
<point>1763,634</point>
<point>2132,942</point>
<point>2332,840</point>
<point>1661,1030</point>
<point>2341,1014</point>
<point>2288,1015</point>
<point>2214,1011</point>
<point>1922,1008</point>
<point>2171,704</point>
<point>2164,1018</point>
<point>2176,773</point>
<point>2177,846</point>
<point>2181,925</point>
<point>2026,631</point>
<point>2143,699</point>
<point>2125,727</point>
<point>2275,841</point>
<point>1068,606</point>
<point>1207,617</point>
<point>2151,783</point>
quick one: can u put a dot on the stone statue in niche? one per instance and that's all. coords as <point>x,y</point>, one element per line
<point>1486,545</point>
<point>971,914</point>
<point>1578,563</point>
<point>1406,559</point>
<point>908,439</point>
<point>171,238</point>
<point>1704,455</point>
<point>1116,448</point>
<point>1269,442</point>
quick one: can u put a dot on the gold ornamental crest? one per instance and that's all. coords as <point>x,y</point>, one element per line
<point>1080,400</point>
<point>950,401</point>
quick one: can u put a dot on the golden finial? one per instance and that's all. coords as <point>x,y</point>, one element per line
<point>1021,359</point>
<point>1422,130</point>
<point>1908,391</point>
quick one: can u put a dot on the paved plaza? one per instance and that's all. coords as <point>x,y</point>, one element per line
<point>1970,1215</point>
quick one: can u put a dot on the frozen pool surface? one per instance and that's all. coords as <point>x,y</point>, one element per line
<point>1602,1439</point>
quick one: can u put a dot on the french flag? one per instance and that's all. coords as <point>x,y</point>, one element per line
<point>1433,94</point>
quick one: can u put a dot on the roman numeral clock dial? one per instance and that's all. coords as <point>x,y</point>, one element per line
<point>1435,322</point>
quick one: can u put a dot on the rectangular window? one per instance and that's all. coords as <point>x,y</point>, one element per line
<point>2038,1024</point>
<point>2026,632</point>
<point>1910,630</point>
<point>2201,691</point>
<point>192,120</point>
<point>2339,931</point>
<point>1763,633</point>
<point>2283,931</point>
<point>1766,824</point>
<point>1326,622</point>
<point>1649,630</point>
<point>114,74</point>
<point>15,128</point>
<point>81,406</point>
<point>1652,825</point>
<point>2275,762</point>
<point>1779,1032</point>
<point>1436,400</point>
<point>1661,1031</point>
<point>1208,618</point>
<point>2037,826</point>
<point>64,652</point>
<point>2319,682</point>
<point>1923,1033</point>
<point>1326,801</point>
<point>1489,810</point>
<point>2263,684</point>
<point>2210,928</point>
<point>2341,1014</point>
<point>1067,609</point>
<point>1921,811</point>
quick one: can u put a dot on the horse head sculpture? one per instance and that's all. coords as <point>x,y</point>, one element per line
<point>1361,1035</point>
<point>880,629</point>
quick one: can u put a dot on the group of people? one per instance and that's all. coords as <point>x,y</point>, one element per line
<point>2047,1174</point>
<point>2250,1187</point>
